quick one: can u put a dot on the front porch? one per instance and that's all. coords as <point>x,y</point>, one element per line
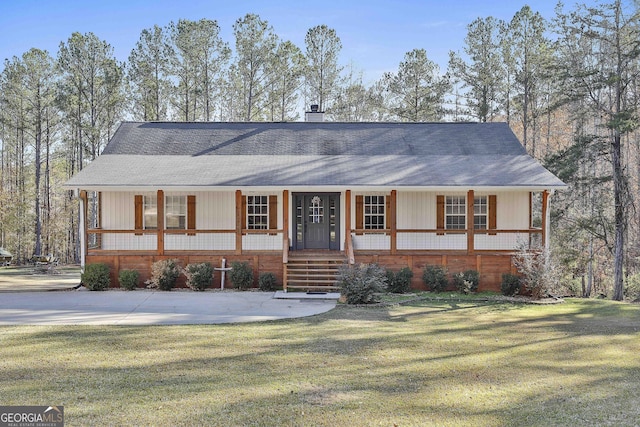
<point>407,233</point>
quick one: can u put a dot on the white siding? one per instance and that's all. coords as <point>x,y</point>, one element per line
<point>118,211</point>
<point>513,210</point>
<point>262,242</point>
<point>371,242</point>
<point>416,210</point>
<point>431,241</point>
<point>129,242</point>
<point>202,241</point>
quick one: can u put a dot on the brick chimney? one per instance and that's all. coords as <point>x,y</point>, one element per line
<point>314,115</point>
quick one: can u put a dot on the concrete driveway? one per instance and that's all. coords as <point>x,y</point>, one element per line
<point>146,307</point>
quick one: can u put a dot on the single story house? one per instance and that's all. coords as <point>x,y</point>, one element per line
<point>292,198</point>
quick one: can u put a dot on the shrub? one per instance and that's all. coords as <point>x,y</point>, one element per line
<point>164,274</point>
<point>199,276</point>
<point>538,270</point>
<point>360,284</point>
<point>435,277</point>
<point>267,282</point>
<point>399,282</point>
<point>128,279</point>
<point>241,275</point>
<point>96,277</point>
<point>467,281</point>
<point>511,284</point>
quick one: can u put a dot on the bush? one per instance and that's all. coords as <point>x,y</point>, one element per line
<point>267,282</point>
<point>511,284</point>
<point>128,279</point>
<point>360,284</point>
<point>199,276</point>
<point>467,282</point>
<point>435,277</point>
<point>164,274</point>
<point>96,277</point>
<point>241,275</point>
<point>538,270</point>
<point>399,282</point>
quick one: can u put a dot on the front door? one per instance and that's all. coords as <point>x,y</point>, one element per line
<point>316,221</point>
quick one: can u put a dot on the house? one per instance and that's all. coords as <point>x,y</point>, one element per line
<point>285,195</point>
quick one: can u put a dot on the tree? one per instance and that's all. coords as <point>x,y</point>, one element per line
<point>286,69</point>
<point>483,74</point>
<point>92,90</point>
<point>417,90</point>
<point>600,48</point>
<point>148,74</point>
<point>91,98</point>
<point>322,75</point>
<point>197,58</point>
<point>255,48</point>
<point>525,50</point>
<point>354,102</point>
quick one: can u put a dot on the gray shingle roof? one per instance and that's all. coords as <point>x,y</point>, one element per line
<point>303,154</point>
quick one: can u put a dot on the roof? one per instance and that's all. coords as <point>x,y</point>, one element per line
<point>178,154</point>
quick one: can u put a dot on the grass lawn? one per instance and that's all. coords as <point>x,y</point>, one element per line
<point>444,363</point>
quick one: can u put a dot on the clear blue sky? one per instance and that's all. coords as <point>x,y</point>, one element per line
<point>375,34</point>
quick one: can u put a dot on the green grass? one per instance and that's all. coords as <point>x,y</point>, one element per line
<point>444,363</point>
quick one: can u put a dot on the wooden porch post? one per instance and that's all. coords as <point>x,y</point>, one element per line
<point>83,234</point>
<point>285,226</point>
<point>239,214</point>
<point>393,225</point>
<point>347,228</point>
<point>160,203</point>
<point>285,237</point>
<point>545,219</point>
<point>470,224</point>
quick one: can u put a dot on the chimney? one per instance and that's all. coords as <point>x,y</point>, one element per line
<point>314,115</point>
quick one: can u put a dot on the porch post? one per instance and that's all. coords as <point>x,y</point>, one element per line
<point>470,225</point>
<point>347,228</point>
<point>545,219</point>
<point>239,214</point>
<point>393,226</point>
<point>285,226</point>
<point>160,203</point>
<point>82,232</point>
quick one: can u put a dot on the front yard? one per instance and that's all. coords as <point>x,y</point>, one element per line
<point>448,362</point>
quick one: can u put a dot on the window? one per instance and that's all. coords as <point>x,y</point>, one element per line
<point>480,212</point>
<point>176,212</point>
<point>316,210</point>
<point>374,212</point>
<point>455,213</point>
<point>257,212</point>
<point>150,213</point>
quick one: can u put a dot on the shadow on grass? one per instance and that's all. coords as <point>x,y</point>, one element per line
<point>426,363</point>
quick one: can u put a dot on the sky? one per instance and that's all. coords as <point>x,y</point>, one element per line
<point>375,34</point>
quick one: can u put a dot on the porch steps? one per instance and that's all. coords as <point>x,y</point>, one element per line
<point>313,272</point>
